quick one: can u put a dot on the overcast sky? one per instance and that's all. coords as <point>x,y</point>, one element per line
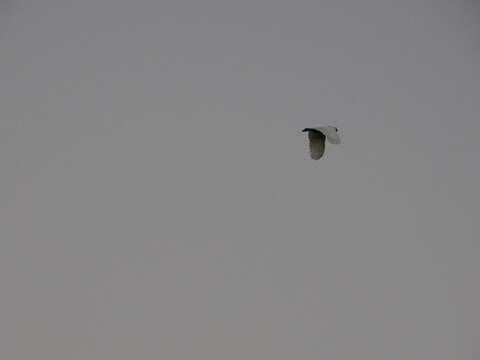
<point>157,199</point>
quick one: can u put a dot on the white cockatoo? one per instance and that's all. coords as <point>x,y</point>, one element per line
<point>316,137</point>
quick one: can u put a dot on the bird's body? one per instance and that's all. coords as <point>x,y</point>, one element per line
<point>317,136</point>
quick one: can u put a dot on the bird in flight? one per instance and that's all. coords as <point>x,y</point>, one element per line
<point>316,137</point>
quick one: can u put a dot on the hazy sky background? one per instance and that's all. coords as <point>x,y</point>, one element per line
<point>157,200</point>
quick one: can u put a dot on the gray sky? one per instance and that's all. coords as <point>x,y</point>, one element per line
<point>158,201</point>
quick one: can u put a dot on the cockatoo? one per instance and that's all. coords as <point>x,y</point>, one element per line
<point>316,137</point>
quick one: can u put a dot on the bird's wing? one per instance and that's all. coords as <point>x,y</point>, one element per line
<point>330,133</point>
<point>317,144</point>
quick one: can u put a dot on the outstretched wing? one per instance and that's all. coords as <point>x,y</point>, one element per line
<point>317,144</point>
